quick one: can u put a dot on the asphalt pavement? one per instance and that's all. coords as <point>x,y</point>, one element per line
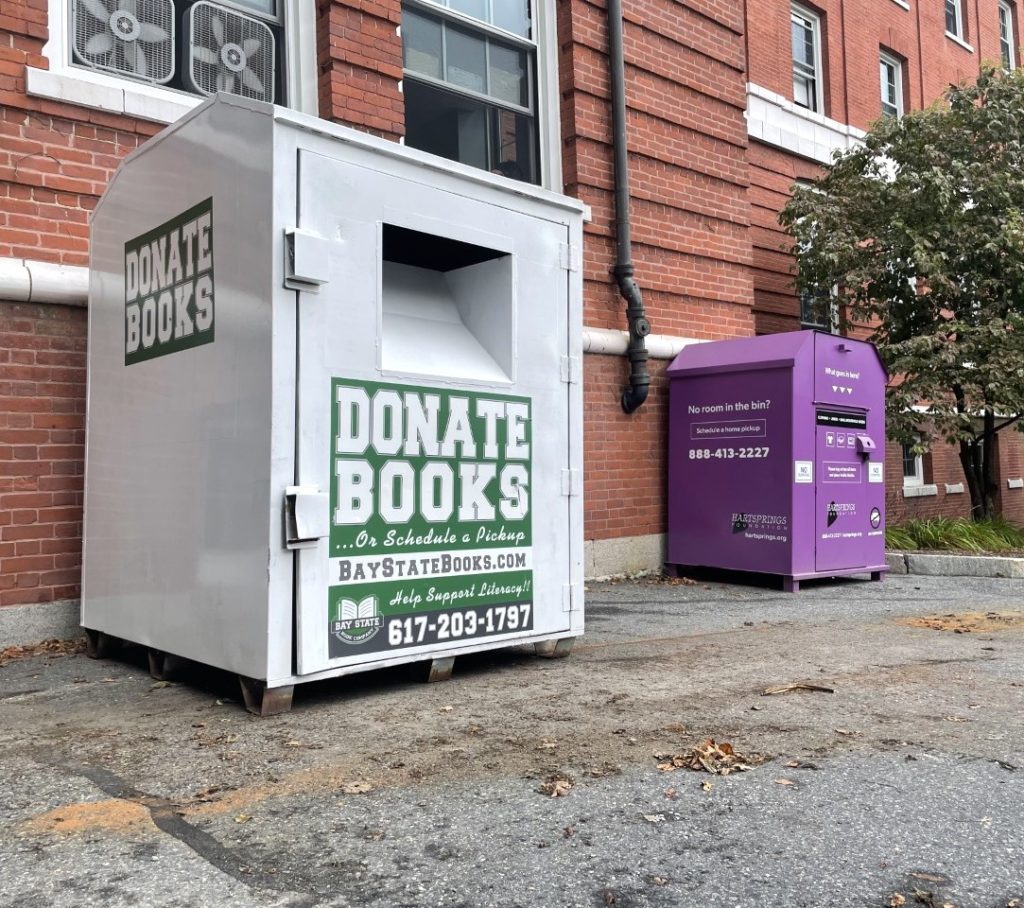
<point>904,782</point>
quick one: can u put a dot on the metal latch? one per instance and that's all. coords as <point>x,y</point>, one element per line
<point>306,260</point>
<point>306,516</point>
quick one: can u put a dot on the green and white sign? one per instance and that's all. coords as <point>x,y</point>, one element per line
<point>430,516</point>
<point>168,286</point>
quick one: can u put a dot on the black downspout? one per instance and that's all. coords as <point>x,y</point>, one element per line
<point>639,327</point>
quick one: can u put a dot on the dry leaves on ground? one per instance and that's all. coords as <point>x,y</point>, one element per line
<point>356,788</point>
<point>557,786</point>
<point>46,648</point>
<point>719,759</point>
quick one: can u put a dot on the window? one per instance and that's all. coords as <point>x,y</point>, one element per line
<point>156,59</point>
<point>1006,39</point>
<point>891,72</point>
<point>818,311</point>
<point>196,46</point>
<point>471,83</point>
<point>955,18</point>
<point>913,467</point>
<point>807,81</point>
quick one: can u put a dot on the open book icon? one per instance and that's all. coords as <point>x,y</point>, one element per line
<point>351,610</point>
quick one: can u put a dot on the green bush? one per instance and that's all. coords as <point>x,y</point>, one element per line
<point>959,534</point>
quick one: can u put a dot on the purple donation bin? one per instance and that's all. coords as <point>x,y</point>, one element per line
<point>775,456</point>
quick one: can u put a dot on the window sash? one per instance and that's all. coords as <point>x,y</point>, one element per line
<point>806,53</point>
<point>1006,39</point>
<point>891,79</point>
<point>954,24</point>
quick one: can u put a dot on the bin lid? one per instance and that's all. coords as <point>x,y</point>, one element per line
<point>768,351</point>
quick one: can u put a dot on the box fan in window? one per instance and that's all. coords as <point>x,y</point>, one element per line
<point>133,38</point>
<point>228,51</point>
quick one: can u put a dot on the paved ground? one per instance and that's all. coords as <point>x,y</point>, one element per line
<point>383,791</point>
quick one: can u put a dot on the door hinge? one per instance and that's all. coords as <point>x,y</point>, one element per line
<point>572,482</point>
<point>571,597</point>
<point>306,260</point>
<point>569,256</point>
<point>571,370</point>
<point>306,516</point>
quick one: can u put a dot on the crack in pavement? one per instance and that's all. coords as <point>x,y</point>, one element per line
<point>166,817</point>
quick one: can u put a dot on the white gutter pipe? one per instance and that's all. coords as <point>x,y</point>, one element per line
<point>614,342</point>
<point>26,281</point>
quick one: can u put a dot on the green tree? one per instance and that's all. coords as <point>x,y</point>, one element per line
<point>918,234</point>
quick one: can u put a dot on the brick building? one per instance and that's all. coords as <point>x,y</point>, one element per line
<point>721,121</point>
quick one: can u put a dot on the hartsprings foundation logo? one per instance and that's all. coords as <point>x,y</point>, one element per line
<point>764,527</point>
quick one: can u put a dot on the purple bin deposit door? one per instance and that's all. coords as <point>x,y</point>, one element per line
<point>842,507</point>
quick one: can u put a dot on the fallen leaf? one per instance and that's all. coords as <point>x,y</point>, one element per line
<point>568,832</point>
<point>659,880</point>
<point>447,709</point>
<point>711,757</point>
<point>957,719</point>
<point>159,685</point>
<point>243,818</point>
<point>846,732</point>
<point>797,685</point>
<point>356,788</point>
<point>654,817</point>
<point>705,785</point>
<point>558,786</point>
<point>896,900</point>
<point>793,764</point>
<point>671,794</point>
<point>784,782</point>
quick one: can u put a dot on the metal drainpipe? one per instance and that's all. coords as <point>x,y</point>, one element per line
<point>639,327</point>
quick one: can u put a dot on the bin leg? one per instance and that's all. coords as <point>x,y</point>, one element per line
<point>99,645</point>
<point>878,575</point>
<point>441,669</point>
<point>163,666</point>
<point>790,585</point>
<point>264,701</point>
<point>554,649</point>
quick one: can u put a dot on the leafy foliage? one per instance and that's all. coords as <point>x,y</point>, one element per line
<point>920,231</point>
<point>956,535</point>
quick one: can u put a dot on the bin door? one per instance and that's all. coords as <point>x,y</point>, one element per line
<point>841,512</point>
<point>434,411</point>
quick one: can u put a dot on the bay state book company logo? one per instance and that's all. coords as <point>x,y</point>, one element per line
<point>168,286</point>
<point>356,622</point>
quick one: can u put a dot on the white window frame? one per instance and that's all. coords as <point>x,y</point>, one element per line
<point>957,33</point>
<point>547,120</point>
<point>814,19</point>
<point>887,59</point>
<point>917,479</point>
<point>72,84</point>
<point>1007,19</point>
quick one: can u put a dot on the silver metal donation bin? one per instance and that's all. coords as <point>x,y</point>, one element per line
<point>335,411</point>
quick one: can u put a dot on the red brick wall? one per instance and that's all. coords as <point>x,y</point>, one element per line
<point>42,434</point>
<point>55,160</point>
<point>941,466</point>
<point>1010,466</point>
<point>852,35</point>
<point>691,240</point>
<point>360,56</point>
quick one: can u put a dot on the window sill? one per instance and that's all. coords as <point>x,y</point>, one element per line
<point>902,3</point>
<point>920,491</point>
<point>956,488</point>
<point>148,102</point>
<point>956,39</point>
<point>1015,483</point>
